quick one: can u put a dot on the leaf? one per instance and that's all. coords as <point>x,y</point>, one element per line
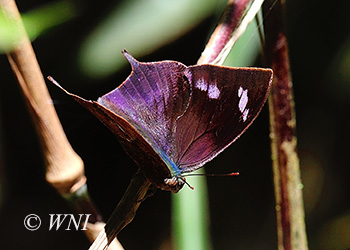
<point>141,27</point>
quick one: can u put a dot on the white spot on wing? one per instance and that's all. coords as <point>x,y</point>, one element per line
<point>245,114</point>
<point>243,94</point>
<point>240,91</point>
<point>213,92</point>
<point>200,84</point>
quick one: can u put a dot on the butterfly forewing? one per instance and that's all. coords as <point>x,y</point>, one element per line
<point>151,99</point>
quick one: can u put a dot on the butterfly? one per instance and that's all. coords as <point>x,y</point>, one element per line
<point>172,119</point>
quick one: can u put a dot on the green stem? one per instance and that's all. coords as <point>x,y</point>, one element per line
<point>190,217</point>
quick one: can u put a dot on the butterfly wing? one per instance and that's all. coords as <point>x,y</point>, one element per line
<point>136,145</point>
<point>172,119</point>
<point>151,99</point>
<point>223,104</point>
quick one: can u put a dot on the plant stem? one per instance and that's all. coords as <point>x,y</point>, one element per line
<point>64,168</point>
<point>287,182</point>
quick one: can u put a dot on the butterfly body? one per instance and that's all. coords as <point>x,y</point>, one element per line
<point>172,119</point>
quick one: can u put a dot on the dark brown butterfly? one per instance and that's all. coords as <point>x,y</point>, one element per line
<point>172,119</point>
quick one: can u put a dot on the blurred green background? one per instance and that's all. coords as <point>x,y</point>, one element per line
<point>79,44</point>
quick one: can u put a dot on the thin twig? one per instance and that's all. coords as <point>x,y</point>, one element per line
<point>125,212</point>
<point>287,182</point>
<point>64,168</point>
<point>234,21</point>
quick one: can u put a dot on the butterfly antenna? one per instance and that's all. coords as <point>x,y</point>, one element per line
<point>213,175</point>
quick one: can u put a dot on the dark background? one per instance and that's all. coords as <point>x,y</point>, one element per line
<point>242,209</point>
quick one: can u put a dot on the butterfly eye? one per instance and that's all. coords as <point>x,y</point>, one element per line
<point>171,181</point>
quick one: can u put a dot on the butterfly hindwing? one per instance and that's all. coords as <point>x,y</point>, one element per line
<point>223,104</point>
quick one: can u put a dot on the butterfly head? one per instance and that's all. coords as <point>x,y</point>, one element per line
<point>176,182</point>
